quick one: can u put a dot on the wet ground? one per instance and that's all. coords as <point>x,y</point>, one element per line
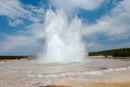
<point>33,74</point>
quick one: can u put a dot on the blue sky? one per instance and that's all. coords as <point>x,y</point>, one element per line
<point>106,23</point>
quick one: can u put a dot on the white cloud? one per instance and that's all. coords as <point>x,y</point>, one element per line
<point>14,23</point>
<point>18,44</point>
<point>37,29</point>
<point>96,46</point>
<point>27,40</point>
<point>70,5</point>
<point>113,27</point>
<point>12,9</point>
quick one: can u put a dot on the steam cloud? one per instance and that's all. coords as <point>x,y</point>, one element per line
<point>63,39</point>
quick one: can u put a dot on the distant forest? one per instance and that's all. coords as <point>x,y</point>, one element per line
<point>11,57</point>
<point>122,52</point>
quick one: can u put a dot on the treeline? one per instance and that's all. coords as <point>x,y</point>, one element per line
<point>122,52</point>
<point>125,52</point>
<point>106,52</point>
<point>11,57</point>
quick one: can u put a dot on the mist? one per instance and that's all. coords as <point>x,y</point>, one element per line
<point>63,37</point>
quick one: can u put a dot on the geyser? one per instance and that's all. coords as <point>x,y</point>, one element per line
<point>63,39</point>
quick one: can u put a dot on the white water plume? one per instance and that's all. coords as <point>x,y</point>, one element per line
<point>63,39</point>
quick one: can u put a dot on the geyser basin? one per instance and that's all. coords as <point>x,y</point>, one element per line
<point>94,65</point>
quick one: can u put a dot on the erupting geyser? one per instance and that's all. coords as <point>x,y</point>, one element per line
<point>63,39</point>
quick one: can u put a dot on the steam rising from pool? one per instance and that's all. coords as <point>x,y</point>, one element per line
<point>63,39</point>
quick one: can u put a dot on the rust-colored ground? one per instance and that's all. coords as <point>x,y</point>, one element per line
<point>99,84</point>
<point>9,60</point>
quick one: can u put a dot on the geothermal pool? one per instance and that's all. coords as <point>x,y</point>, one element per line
<point>87,66</point>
